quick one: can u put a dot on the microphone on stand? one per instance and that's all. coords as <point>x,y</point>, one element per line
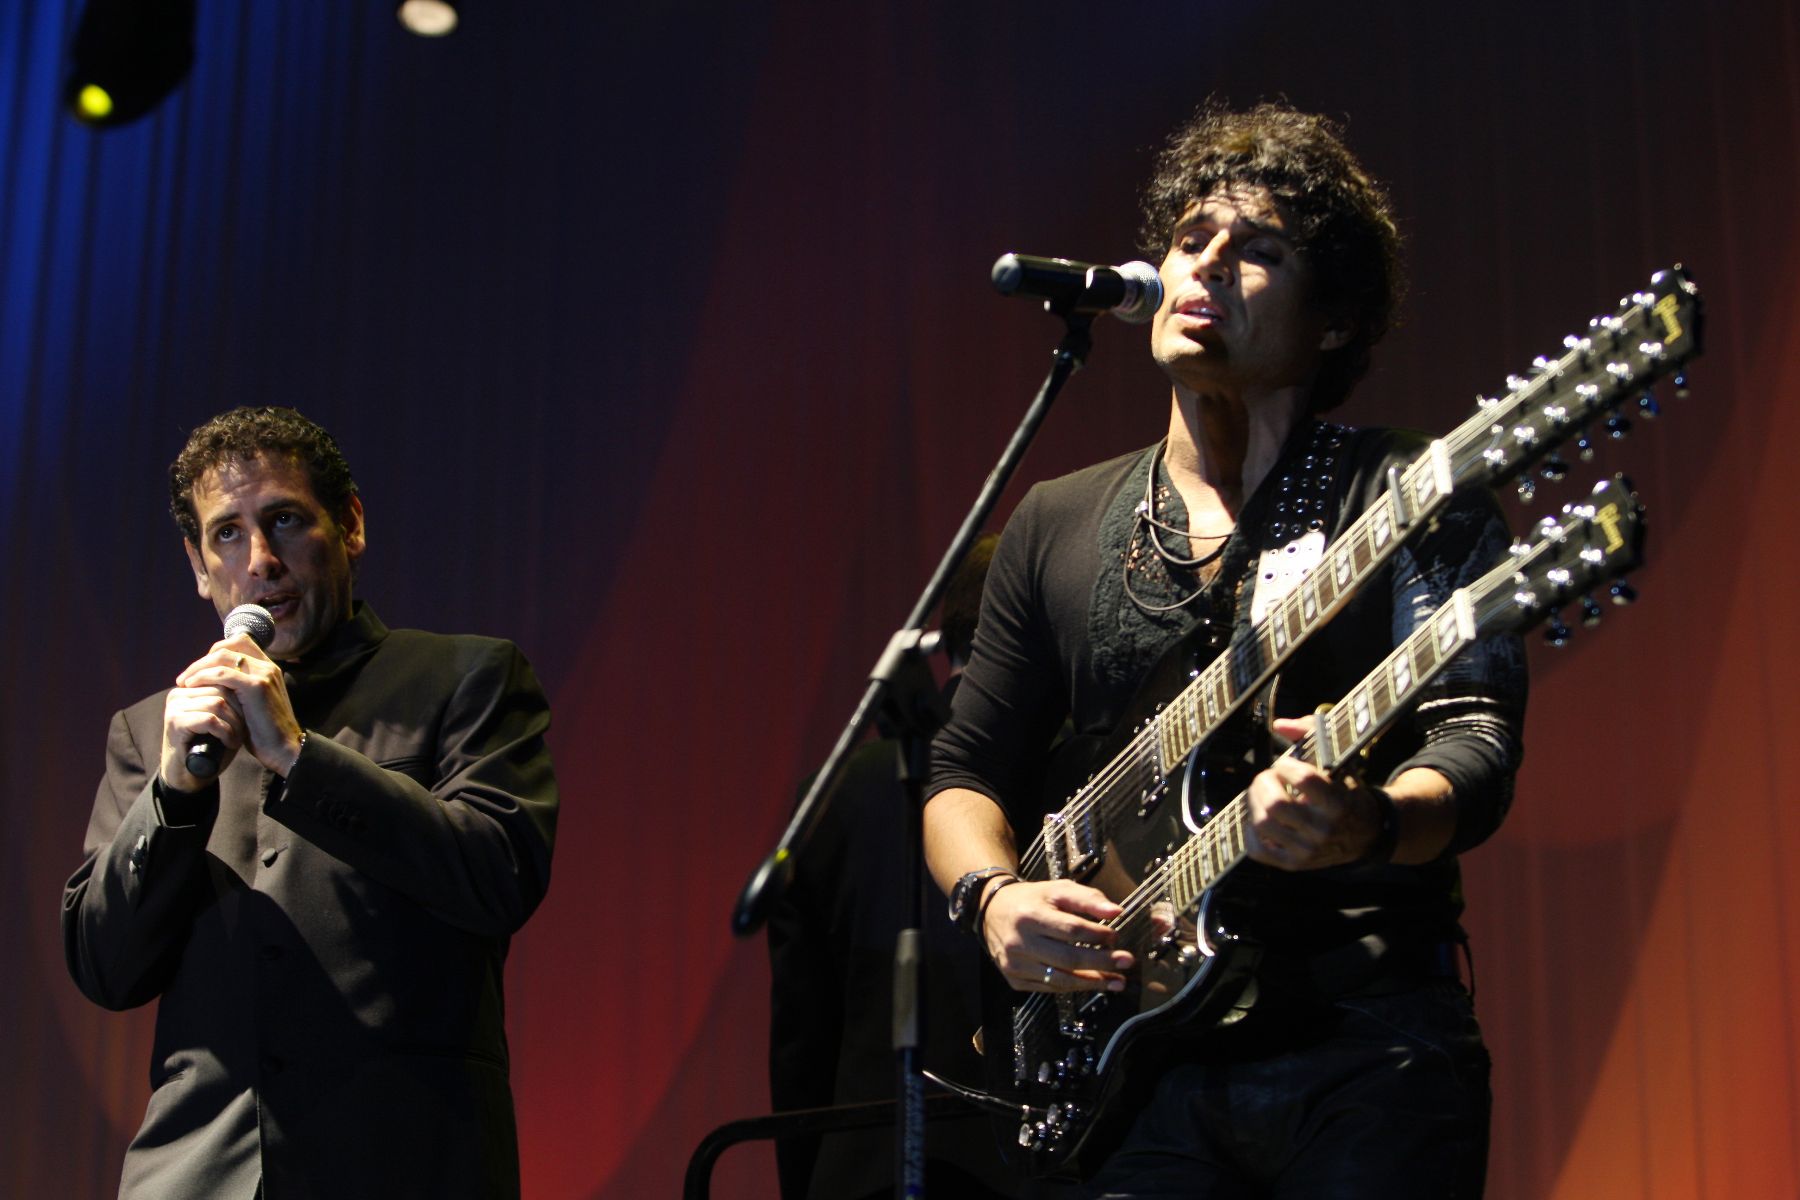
<point>253,619</point>
<point>1131,291</point>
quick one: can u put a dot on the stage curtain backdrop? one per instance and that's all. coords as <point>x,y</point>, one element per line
<point>660,338</point>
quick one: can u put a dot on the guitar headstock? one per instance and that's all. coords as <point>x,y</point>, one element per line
<point>1592,541</point>
<point>1651,334</point>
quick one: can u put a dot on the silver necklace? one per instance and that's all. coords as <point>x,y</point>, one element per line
<point>1154,527</point>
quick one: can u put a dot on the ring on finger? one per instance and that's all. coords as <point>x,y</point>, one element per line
<point>240,662</point>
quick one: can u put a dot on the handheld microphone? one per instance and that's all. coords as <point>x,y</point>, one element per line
<point>253,619</point>
<point>1131,291</point>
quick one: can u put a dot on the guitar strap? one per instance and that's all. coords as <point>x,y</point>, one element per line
<point>1288,520</point>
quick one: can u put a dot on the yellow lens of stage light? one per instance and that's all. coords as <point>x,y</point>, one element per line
<point>94,102</point>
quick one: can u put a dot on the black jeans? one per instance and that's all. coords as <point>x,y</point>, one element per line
<point>1381,1098</point>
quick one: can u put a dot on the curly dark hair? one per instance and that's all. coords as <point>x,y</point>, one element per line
<point>263,432</point>
<point>1340,216</point>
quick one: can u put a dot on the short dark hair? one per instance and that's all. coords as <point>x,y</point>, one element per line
<point>245,434</point>
<point>1340,215</point>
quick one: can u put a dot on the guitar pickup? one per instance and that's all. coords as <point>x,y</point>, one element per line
<point>1075,849</point>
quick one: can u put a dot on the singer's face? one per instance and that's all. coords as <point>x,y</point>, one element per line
<point>265,539</point>
<point>1237,313</point>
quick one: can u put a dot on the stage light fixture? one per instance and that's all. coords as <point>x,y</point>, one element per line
<point>127,55</point>
<point>428,18</point>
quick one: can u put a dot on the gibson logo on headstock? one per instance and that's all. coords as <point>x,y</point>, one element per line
<point>1666,308</point>
<point>1608,520</point>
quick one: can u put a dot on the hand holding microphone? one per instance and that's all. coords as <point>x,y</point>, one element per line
<point>208,694</point>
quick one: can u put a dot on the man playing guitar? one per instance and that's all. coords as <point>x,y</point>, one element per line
<point>1350,1064</point>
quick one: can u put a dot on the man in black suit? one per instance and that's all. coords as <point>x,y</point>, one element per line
<point>324,922</point>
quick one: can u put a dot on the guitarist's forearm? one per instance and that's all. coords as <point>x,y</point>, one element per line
<point>965,831</point>
<point>1426,806</point>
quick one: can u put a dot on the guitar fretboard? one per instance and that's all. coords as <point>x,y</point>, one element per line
<point>1369,542</point>
<point>1343,730</point>
<point>1195,714</point>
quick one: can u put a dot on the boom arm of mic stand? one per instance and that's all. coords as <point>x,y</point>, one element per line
<point>772,877</point>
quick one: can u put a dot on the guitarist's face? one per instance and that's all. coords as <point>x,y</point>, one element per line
<point>1237,315</point>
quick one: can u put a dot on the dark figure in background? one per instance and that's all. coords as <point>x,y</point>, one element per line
<point>325,922</point>
<point>1352,1066</point>
<point>831,953</point>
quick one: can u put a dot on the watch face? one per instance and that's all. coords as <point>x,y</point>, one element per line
<point>967,888</point>
<point>959,898</point>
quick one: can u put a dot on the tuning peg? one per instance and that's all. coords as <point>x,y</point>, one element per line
<point>1590,612</point>
<point>1648,408</point>
<point>1527,489</point>
<point>1557,633</point>
<point>1584,445</point>
<point>1554,468</point>
<point>1617,426</point>
<point>1622,592</point>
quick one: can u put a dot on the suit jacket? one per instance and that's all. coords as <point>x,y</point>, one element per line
<point>327,952</point>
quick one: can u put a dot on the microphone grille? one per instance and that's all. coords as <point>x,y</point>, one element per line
<point>1143,292</point>
<point>252,619</point>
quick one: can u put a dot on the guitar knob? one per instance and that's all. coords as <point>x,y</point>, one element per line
<point>1617,427</point>
<point>1648,408</point>
<point>1590,612</point>
<point>1557,633</point>
<point>1585,445</point>
<point>1681,388</point>
<point>1554,468</point>
<point>1527,489</point>
<point>1622,592</point>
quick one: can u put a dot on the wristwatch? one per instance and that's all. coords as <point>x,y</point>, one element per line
<point>963,909</point>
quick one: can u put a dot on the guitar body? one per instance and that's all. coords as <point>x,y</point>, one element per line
<point>1070,1060</point>
<point>1080,1065</point>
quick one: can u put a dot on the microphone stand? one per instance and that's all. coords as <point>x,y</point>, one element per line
<point>903,697</point>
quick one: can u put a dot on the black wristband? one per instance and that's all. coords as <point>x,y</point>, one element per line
<point>980,927</point>
<point>1387,837</point>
